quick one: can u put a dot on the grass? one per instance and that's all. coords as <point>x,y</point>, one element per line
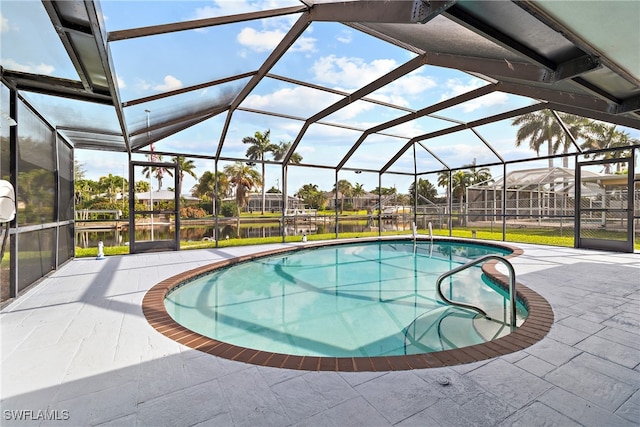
<point>540,236</point>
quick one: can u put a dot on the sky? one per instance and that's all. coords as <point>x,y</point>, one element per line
<point>331,55</point>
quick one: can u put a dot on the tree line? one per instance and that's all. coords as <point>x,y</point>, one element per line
<point>239,179</point>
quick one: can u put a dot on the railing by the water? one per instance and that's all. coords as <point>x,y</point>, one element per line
<point>512,286</point>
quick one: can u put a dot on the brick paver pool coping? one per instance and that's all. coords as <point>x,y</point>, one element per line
<point>535,327</point>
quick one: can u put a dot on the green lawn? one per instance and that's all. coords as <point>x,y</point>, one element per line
<point>540,236</point>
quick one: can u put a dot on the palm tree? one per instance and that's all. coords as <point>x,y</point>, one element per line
<point>157,171</point>
<point>243,178</point>
<point>186,167</point>
<point>260,145</point>
<point>538,128</point>
<point>460,181</point>
<point>84,189</point>
<point>478,175</point>
<point>282,149</point>
<point>602,136</point>
<point>343,188</point>
<point>205,188</point>
<point>426,191</point>
<point>443,181</point>
<point>112,185</point>
<point>578,127</point>
<point>357,192</point>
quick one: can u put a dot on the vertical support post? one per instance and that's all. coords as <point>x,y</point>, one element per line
<point>14,169</point>
<point>131,191</point>
<point>285,201</point>
<point>337,236</point>
<point>450,199</point>
<point>176,204</point>
<point>631,173</point>
<point>132,206</point>
<point>56,199</point>
<point>214,198</point>
<point>577,205</point>
<point>504,202</point>
<point>379,205</point>
<point>415,187</point>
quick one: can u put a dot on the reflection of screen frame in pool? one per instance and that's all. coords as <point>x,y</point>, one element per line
<point>534,328</point>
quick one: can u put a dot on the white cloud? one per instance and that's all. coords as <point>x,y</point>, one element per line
<point>142,85</point>
<point>351,111</point>
<point>259,41</point>
<point>409,86</point>
<point>350,72</point>
<point>304,44</point>
<point>234,7</point>
<point>170,83</point>
<point>407,129</point>
<point>267,40</point>
<point>41,68</point>
<point>412,84</point>
<point>120,81</point>
<point>223,8</point>
<point>345,37</point>
<point>457,87</point>
<point>287,100</point>
<point>4,24</point>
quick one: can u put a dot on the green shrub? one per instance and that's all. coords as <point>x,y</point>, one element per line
<point>192,212</point>
<point>228,209</point>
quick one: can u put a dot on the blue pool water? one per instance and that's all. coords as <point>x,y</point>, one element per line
<point>351,300</point>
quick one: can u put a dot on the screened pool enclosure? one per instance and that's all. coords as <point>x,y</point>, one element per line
<point>486,119</point>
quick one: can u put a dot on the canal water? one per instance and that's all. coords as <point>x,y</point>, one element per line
<point>86,239</point>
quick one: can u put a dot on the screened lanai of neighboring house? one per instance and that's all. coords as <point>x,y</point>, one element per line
<point>530,192</point>
<point>380,93</point>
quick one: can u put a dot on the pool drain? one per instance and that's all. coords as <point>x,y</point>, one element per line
<point>443,380</point>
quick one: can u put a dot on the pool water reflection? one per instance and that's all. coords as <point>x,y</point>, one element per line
<point>349,300</point>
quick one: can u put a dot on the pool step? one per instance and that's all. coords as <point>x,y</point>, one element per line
<point>443,328</point>
<point>490,329</point>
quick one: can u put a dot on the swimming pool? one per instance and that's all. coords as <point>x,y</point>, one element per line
<point>287,307</point>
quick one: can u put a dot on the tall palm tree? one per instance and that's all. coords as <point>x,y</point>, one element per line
<point>243,178</point>
<point>443,181</point>
<point>603,136</point>
<point>260,145</point>
<point>478,175</point>
<point>282,149</point>
<point>357,192</point>
<point>460,181</point>
<point>186,167</point>
<point>83,189</point>
<point>156,171</point>
<point>539,128</point>
<point>343,188</point>
<point>578,127</point>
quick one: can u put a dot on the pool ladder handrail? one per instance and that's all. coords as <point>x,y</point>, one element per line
<point>482,259</point>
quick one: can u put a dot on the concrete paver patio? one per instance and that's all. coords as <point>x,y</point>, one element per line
<point>78,349</point>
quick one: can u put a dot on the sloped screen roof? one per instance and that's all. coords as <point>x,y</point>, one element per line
<point>351,85</point>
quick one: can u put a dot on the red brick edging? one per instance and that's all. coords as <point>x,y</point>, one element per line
<point>535,327</point>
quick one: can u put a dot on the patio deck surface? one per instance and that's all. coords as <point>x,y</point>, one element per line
<point>78,349</point>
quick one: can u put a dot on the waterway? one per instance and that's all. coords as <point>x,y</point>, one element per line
<point>199,232</point>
